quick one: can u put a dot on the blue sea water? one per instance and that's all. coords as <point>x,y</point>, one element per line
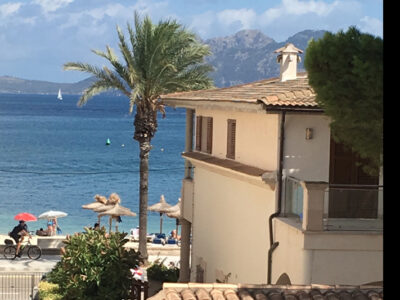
<point>53,156</point>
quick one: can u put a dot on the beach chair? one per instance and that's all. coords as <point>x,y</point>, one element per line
<point>160,239</point>
<point>172,241</point>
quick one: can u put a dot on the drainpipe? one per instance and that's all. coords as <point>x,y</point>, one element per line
<point>278,212</point>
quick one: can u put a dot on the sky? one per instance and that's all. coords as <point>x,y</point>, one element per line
<point>38,36</point>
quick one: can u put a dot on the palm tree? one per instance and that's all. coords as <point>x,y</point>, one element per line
<point>157,59</point>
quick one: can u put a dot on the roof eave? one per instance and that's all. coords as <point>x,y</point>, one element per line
<point>295,109</point>
<point>219,105</point>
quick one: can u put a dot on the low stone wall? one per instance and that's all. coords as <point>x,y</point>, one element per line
<point>50,242</point>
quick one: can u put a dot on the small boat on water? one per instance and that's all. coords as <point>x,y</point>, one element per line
<point>59,97</point>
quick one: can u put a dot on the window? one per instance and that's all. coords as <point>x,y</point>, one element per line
<point>204,134</point>
<point>231,139</point>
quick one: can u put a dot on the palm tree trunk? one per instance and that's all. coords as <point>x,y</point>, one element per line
<point>145,127</point>
<point>143,197</point>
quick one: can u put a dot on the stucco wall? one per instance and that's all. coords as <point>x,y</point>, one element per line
<point>307,159</point>
<point>326,257</point>
<point>256,136</point>
<point>230,227</point>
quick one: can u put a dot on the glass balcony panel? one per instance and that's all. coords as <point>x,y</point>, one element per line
<point>354,207</point>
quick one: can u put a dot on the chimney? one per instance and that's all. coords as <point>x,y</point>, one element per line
<point>288,58</point>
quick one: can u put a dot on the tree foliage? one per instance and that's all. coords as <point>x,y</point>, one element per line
<point>95,266</point>
<point>346,71</point>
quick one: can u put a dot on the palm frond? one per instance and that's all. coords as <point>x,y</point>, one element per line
<point>97,87</point>
<point>83,67</point>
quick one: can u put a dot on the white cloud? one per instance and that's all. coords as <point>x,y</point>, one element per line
<point>52,5</point>
<point>9,9</point>
<point>297,7</point>
<point>246,17</point>
<point>372,25</point>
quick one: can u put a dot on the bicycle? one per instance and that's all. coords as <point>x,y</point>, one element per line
<point>10,251</point>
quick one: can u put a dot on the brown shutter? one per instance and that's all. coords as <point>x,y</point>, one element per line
<point>209,134</point>
<point>231,140</point>
<point>198,132</point>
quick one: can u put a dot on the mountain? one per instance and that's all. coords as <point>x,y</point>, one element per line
<point>243,57</point>
<point>14,85</point>
<point>249,56</point>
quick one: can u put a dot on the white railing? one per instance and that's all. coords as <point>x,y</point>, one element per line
<point>19,285</point>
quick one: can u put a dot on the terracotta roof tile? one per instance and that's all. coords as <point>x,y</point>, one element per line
<point>271,92</point>
<point>174,291</point>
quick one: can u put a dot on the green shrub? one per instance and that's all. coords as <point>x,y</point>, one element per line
<point>158,271</point>
<point>95,266</point>
<point>49,291</point>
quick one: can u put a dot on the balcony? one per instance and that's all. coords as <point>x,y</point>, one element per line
<point>318,206</point>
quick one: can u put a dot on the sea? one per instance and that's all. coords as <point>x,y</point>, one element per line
<point>53,156</point>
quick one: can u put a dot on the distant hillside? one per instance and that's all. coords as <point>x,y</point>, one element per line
<point>249,56</point>
<point>14,85</point>
<point>243,57</point>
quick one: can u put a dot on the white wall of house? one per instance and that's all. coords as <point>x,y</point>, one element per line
<point>353,258</point>
<point>230,226</point>
<point>256,137</point>
<point>307,160</point>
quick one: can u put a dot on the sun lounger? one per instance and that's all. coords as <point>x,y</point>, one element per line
<point>159,241</point>
<point>172,241</point>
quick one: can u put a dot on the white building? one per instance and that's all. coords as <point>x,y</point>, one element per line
<point>268,196</point>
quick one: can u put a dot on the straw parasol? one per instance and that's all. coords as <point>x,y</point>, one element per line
<point>160,207</point>
<point>116,211</point>
<point>175,212</point>
<point>112,200</point>
<point>100,202</point>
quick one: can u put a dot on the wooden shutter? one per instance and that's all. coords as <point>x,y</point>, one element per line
<point>209,134</point>
<point>231,139</point>
<point>198,132</point>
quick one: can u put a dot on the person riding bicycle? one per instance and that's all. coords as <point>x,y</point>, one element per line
<point>18,233</point>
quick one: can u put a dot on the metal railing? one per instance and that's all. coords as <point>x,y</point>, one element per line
<point>353,207</point>
<point>19,285</point>
<point>139,290</point>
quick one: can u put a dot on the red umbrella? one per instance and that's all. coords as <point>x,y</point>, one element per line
<point>25,217</point>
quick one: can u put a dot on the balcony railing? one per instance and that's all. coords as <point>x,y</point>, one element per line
<point>293,198</point>
<point>334,207</point>
<point>353,207</point>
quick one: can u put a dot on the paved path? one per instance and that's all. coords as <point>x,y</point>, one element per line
<point>24,264</point>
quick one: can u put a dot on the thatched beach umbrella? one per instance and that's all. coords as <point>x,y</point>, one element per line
<point>112,200</point>
<point>116,211</point>
<point>100,202</point>
<point>160,207</point>
<point>175,212</point>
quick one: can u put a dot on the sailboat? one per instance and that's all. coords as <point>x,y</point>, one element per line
<point>59,97</point>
